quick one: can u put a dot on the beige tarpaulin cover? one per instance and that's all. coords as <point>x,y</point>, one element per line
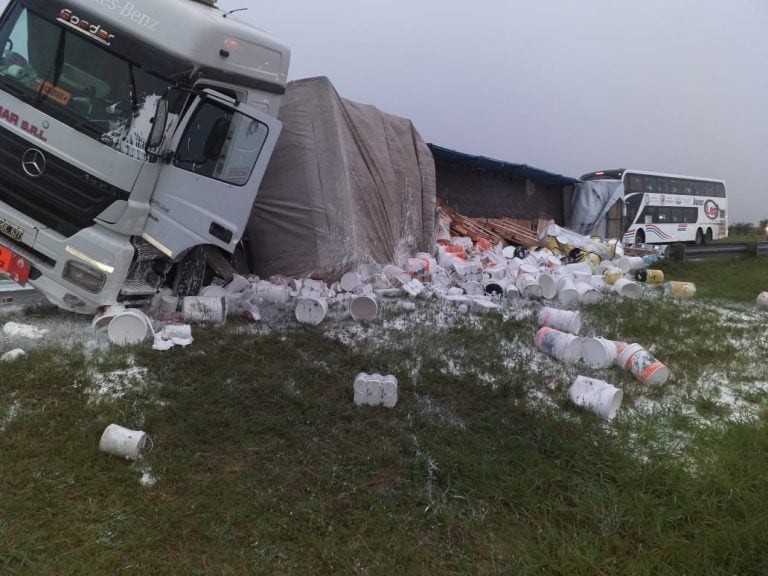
<point>347,184</point>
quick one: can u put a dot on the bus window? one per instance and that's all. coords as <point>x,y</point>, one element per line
<point>719,190</point>
<point>691,215</point>
<point>635,183</point>
<point>674,186</point>
<point>702,189</point>
<point>650,184</point>
<point>663,185</point>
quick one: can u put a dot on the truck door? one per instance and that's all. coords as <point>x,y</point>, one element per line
<point>204,193</point>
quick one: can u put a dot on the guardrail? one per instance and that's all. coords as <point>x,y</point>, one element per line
<point>714,251</point>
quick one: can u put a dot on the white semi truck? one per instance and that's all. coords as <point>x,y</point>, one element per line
<point>133,138</point>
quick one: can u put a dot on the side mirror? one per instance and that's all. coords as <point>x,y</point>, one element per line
<point>158,125</point>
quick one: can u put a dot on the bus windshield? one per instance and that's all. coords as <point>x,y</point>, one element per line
<point>78,82</point>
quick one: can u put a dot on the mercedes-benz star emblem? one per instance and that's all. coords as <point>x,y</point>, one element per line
<point>33,163</point>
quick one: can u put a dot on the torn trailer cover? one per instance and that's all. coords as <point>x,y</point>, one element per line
<point>347,184</point>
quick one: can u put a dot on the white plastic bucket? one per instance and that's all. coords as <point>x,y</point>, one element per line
<point>548,283</point>
<point>119,441</point>
<point>562,345</point>
<point>473,288</point>
<point>588,294</point>
<point>213,290</point>
<point>598,282</point>
<point>528,286</point>
<point>762,300</point>
<point>396,276</point>
<point>573,267</point>
<point>563,320</point>
<point>311,310</point>
<point>104,316</point>
<point>566,291</point>
<point>600,397</point>
<point>598,352</point>
<point>389,391</point>
<point>511,291</point>
<point>211,309</point>
<point>363,307</point>
<point>627,288</point>
<point>581,278</point>
<point>646,368</point>
<point>351,281</point>
<point>629,263</point>
<point>130,326</point>
<point>509,252</point>
<point>496,287</point>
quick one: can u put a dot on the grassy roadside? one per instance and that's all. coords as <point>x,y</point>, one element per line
<point>738,279</point>
<point>263,465</point>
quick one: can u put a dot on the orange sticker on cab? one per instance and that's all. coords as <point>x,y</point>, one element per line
<point>55,93</point>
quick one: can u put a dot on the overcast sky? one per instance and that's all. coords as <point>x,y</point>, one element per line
<point>569,86</point>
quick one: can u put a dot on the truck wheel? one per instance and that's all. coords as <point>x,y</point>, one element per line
<point>640,237</point>
<point>190,273</point>
<point>699,237</point>
<point>708,236</point>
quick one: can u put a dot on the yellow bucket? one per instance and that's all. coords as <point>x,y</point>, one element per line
<point>682,289</point>
<point>655,277</point>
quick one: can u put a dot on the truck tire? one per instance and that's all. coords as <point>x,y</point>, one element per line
<point>708,236</point>
<point>640,237</point>
<point>699,237</point>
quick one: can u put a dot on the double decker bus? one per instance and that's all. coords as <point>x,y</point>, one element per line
<point>664,208</point>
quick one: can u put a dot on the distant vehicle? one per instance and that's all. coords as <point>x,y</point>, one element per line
<point>665,208</point>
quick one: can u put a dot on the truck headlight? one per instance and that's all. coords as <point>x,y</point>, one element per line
<point>86,277</point>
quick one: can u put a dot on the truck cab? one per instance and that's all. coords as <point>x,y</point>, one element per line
<point>133,136</point>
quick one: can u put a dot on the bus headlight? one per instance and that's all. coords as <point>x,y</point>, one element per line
<point>82,275</point>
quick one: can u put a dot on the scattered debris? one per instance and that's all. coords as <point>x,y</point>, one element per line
<point>14,329</point>
<point>12,355</point>
<point>762,299</point>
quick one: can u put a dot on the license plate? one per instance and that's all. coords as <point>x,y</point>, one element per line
<point>17,267</point>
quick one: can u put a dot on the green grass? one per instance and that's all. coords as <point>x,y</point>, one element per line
<point>738,279</point>
<point>264,465</point>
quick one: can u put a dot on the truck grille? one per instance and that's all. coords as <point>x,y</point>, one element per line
<point>63,198</point>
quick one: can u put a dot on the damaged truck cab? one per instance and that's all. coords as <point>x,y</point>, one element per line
<point>133,138</point>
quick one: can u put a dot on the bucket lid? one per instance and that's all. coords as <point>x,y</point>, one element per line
<point>130,326</point>
<point>363,307</point>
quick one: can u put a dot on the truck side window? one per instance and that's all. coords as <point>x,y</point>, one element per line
<point>221,143</point>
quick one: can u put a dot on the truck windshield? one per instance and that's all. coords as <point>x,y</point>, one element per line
<point>77,81</point>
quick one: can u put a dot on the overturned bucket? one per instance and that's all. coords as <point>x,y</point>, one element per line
<point>363,307</point>
<point>627,288</point>
<point>119,441</point>
<point>128,327</point>
<point>681,289</point>
<point>211,309</point>
<point>644,366</point>
<point>564,320</point>
<point>311,310</point>
<point>598,352</point>
<point>562,345</point>
<point>600,397</point>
